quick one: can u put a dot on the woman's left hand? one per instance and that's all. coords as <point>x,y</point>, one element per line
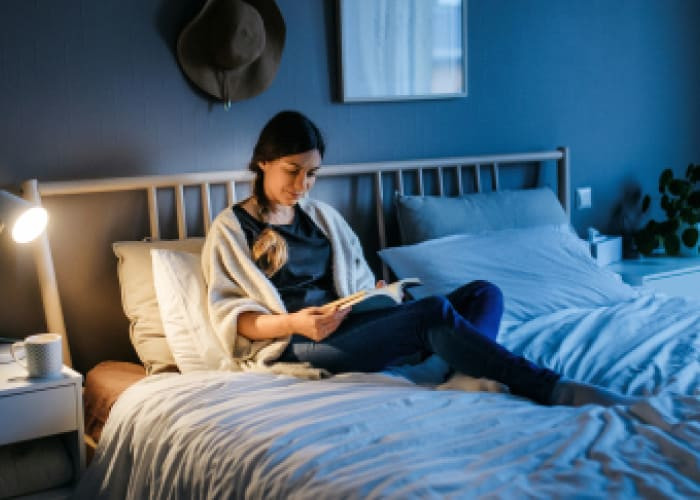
<point>380,284</point>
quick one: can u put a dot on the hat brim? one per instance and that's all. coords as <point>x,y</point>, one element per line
<point>194,56</point>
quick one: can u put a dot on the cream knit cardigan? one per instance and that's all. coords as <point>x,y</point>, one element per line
<point>236,285</point>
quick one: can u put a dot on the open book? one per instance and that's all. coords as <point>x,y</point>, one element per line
<point>376,298</point>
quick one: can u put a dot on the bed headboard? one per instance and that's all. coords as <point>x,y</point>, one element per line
<point>88,215</point>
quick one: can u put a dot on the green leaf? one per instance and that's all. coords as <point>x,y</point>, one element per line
<point>679,187</point>
<point>687,215</point>
<point>695,176</point>
<point>645,241</point>
<point>665,203</point>
<point>665,228</point>
<point>694,199</point>
<point>672,244</point>
<point>664,179</point>
<point>646,201</point>
<point>690,237</point>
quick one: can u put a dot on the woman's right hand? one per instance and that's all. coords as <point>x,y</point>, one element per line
<point>317,323</point>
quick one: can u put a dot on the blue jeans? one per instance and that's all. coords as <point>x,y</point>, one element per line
<point>461,328</point>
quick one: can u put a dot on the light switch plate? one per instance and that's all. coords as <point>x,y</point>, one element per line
<point>583,197</point>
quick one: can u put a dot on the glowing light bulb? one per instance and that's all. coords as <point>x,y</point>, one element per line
<point>29,225</point>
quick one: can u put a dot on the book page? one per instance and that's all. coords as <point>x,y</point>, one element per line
<point>391,294</point>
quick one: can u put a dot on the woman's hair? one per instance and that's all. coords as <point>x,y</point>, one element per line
<point>287,133</point>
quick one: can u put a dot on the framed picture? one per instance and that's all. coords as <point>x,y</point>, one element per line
<point>402,49</point>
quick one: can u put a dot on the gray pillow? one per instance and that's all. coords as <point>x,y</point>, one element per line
<point>427,217</point>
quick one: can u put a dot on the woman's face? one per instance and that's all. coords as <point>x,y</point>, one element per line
<point>288,178</point>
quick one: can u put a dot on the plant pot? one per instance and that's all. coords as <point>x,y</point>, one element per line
<point>688,251</point>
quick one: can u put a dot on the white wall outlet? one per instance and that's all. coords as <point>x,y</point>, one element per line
<point>583,197</point>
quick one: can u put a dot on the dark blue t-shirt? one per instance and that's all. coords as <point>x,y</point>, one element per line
<point>306,279</point>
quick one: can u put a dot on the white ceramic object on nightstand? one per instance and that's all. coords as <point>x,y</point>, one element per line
<point>671,275</point>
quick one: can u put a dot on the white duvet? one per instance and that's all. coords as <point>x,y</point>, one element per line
<point>229,435</point>
<point>234,435</point>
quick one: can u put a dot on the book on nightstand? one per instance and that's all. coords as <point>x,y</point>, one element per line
<point>5,354</point>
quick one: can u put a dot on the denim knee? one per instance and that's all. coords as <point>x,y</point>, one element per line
<point>488,288</point>
<point>434,309</point>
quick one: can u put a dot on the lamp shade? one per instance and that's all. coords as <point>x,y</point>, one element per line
<point>25,220</point>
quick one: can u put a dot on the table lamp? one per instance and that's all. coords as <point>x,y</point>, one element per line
<point>26,219</point>
<point>23,218</point>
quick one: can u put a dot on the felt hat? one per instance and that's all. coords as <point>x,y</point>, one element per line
<point>232,48</point>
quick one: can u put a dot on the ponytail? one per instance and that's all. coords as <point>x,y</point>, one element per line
<point>269,252</point>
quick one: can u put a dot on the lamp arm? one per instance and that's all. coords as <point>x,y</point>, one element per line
<point>47,276</point>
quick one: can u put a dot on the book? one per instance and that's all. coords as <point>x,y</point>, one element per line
<point>376,298</point>
<point>6,355</point>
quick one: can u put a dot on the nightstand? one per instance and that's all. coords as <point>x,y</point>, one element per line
<point>36,408</point>
<point>671,275</point>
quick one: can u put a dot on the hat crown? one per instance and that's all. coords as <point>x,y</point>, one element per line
<point>241,37</point>
<point>231,49</point>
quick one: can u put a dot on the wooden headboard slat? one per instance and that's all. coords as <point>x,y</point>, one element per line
<point>494,177</point>
<point>231,192</point>
<point>206,206</point>
<point>477,178</point>
<point>399,181</point>
<point>181,215</point>
<point>421,192</point>
<point>153,213</point>
<point>381,224</point>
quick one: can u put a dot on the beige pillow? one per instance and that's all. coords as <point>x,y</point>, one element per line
<point>139,300</point>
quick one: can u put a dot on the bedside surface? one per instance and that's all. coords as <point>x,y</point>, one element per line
<point>672,275</point>
<point>14,379</point>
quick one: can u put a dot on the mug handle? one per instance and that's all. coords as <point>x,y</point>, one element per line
<point>13,347</point>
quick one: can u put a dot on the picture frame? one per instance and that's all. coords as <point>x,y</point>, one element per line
<point>398,50</point>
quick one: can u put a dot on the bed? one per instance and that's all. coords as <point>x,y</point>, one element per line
<point>199,432</point>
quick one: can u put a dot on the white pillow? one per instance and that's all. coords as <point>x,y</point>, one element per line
<point>139,299</point>
<point>539,269</point>
<point>182,300</point>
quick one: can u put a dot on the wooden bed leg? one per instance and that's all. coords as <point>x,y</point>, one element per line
<point>90,447</point>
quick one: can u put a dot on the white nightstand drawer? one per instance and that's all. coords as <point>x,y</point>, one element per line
<point>38,413</point>
<point>682,284</point>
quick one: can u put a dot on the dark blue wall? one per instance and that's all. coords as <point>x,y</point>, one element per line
<point>91,88</point>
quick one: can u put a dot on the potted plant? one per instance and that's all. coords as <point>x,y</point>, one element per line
<point>680,200</point>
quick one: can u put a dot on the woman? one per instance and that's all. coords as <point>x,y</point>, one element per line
<point>272,262</point>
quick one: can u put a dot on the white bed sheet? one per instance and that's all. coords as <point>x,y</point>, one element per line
<point>234,435</point>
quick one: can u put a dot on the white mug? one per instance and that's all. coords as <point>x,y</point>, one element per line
<point>43,355</point>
